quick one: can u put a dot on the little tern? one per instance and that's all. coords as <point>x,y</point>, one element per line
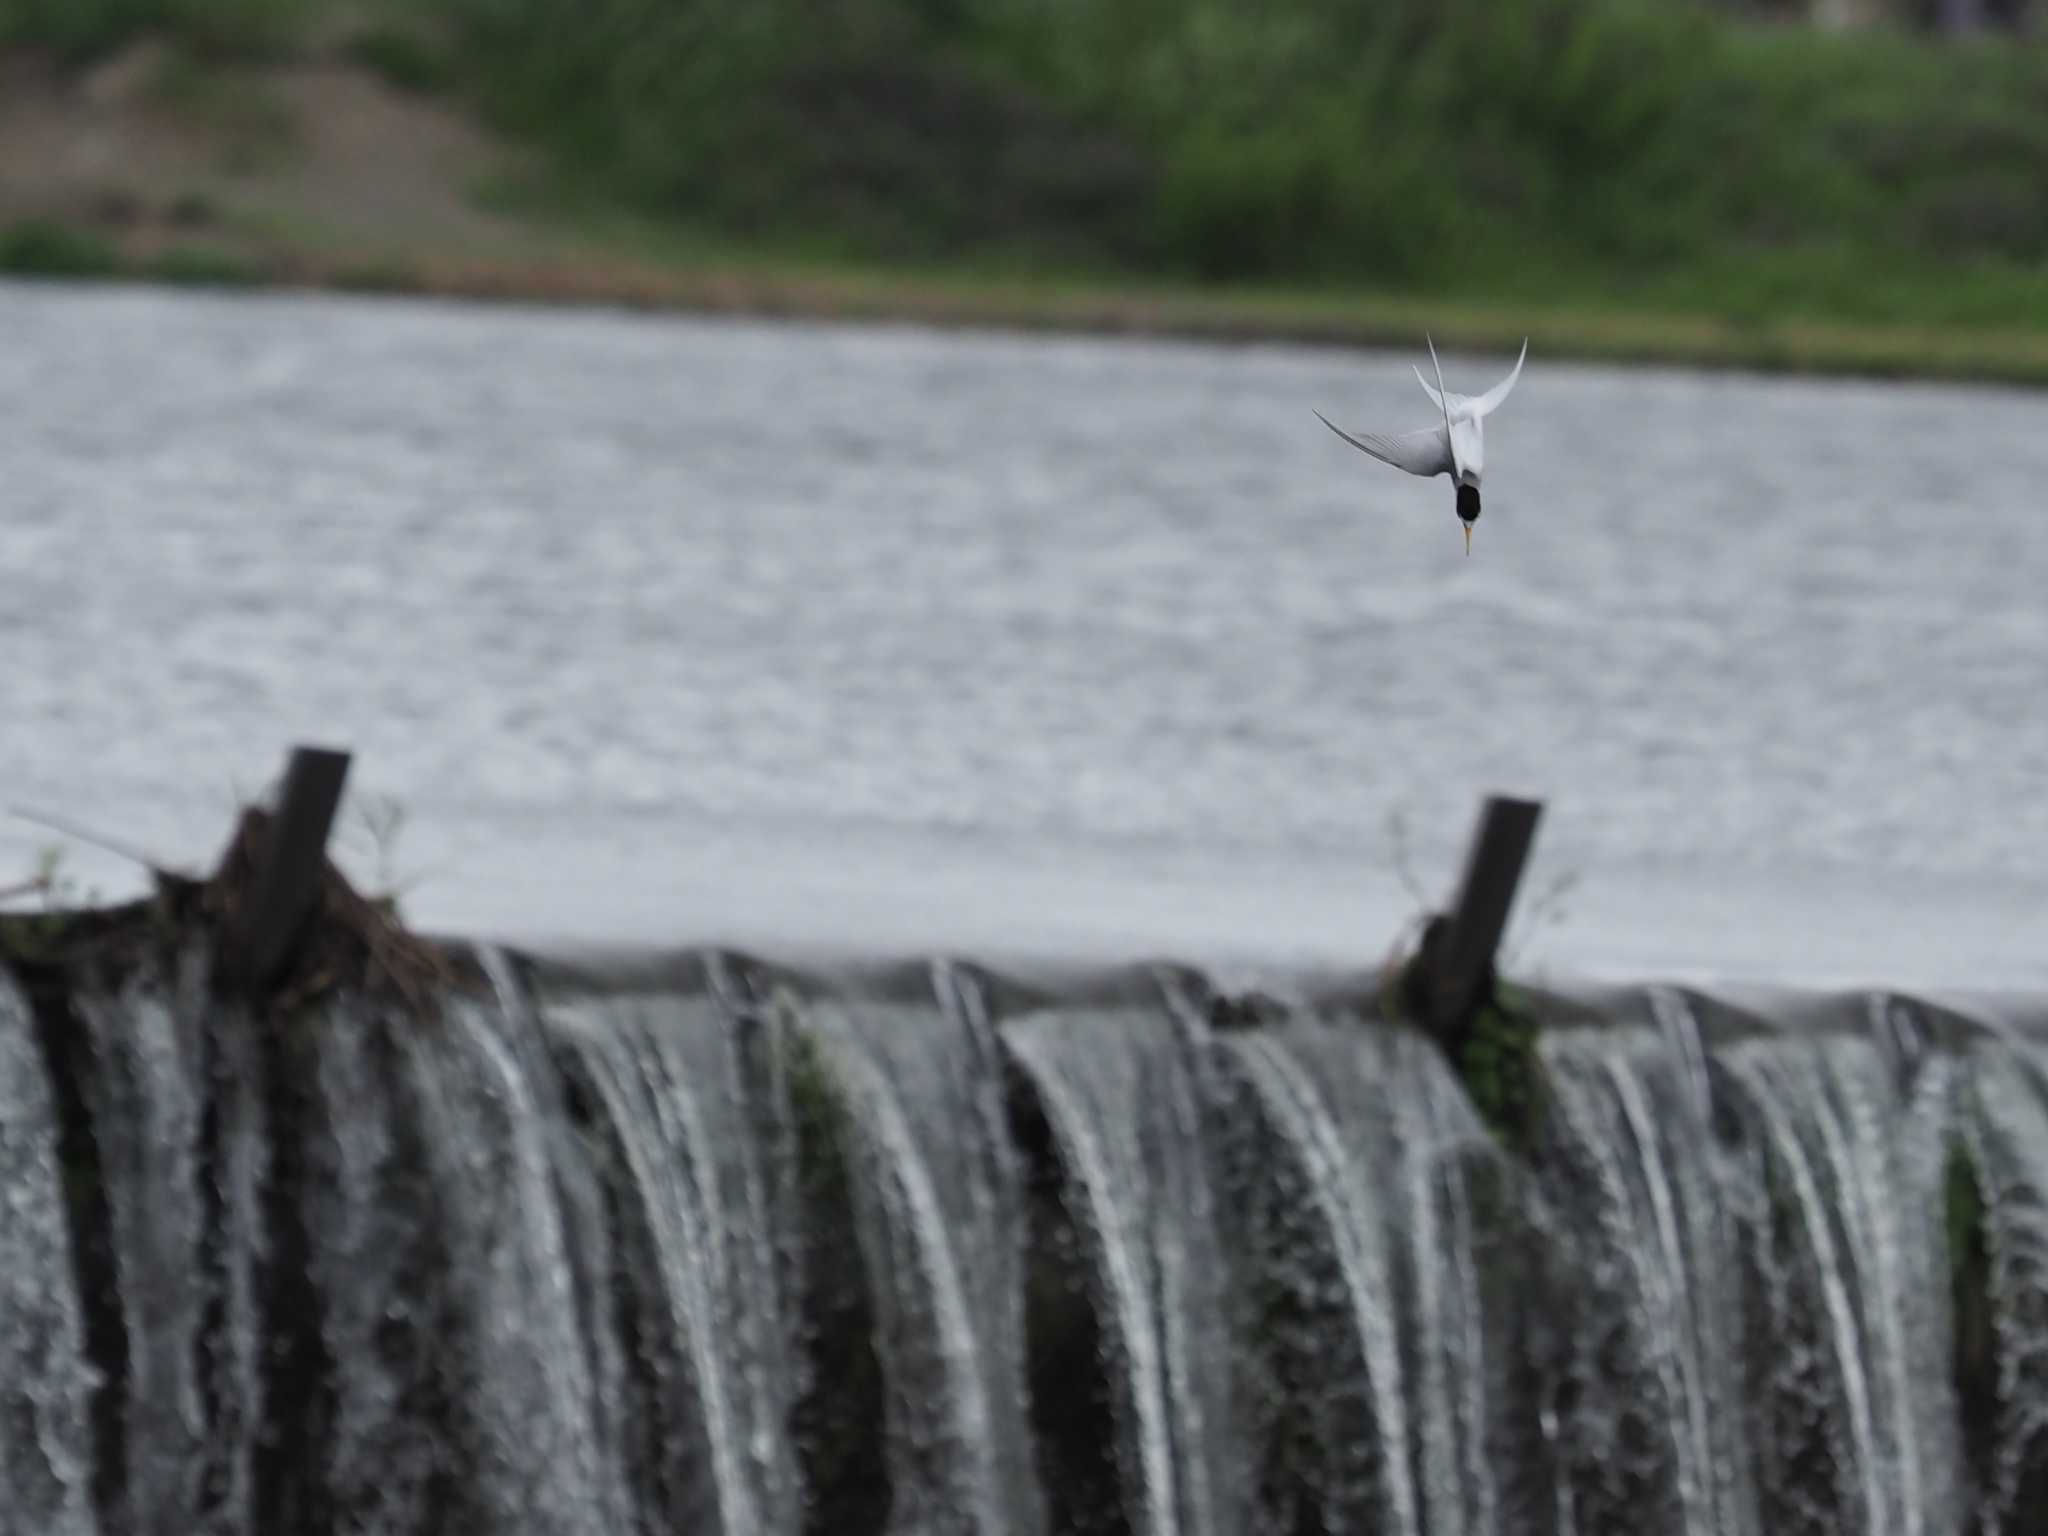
<point>1457,448</point>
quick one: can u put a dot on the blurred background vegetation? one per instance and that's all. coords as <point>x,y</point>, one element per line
<point>1659,154</point>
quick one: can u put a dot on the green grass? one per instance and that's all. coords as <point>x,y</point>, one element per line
<point>1645,157</point>
<point>82,30</point>
<point>1619,177</point>
<point>42,248</point>
<point>1987,322</point>
<point>405,57</point>
<point>202,267</point>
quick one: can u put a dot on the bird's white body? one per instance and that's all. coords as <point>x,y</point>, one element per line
<point>1468,450</point>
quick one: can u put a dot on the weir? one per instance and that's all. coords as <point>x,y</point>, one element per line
<point>422,1238</point>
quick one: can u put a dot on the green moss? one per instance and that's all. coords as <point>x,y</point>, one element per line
<point>814,1098</point>
<point>33,938</point>
<point>1500,1068</point>
<point>1969,1278</point>
<point>837,1420</point>
<point>1963,1209</point>
<point>819,1113</point>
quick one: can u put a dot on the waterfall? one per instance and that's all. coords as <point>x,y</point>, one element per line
<point>937,1200</point>
<point>2007,1131</point>
<point>46,1451</point>
<point>439,1259</point>
<point>709,1245</point>
<point>179,1127</point>
<point>703,1341</point>
<point>1380,1138</point>
<point>1119,1091</point>
<point>1847,1246</point>
<point>1637,1193</point>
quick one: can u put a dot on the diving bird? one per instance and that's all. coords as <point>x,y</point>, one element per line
<point>1457,448</point>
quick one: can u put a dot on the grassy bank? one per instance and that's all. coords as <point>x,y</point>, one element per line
<point>1617,178</point>
<point>761,284</point>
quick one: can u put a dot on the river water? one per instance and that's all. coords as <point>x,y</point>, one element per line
<point>786,634</point>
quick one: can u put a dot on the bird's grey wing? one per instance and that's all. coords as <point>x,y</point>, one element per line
<point>1490,402</point>
<point>1447,401</point>
<point>1425,451</point>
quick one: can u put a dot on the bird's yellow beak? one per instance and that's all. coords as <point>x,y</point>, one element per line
<point>1468,537</point>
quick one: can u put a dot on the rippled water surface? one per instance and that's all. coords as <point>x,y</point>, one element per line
<point>685,628</point>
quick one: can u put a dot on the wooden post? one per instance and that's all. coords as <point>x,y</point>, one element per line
<point>287,885</point>
<point>1457,953</point>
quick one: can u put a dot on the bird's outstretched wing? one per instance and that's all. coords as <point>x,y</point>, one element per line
<point>1489,402</point>
<point>1442,399</point>
<point>1425,451</point>
<point>1472,407</point>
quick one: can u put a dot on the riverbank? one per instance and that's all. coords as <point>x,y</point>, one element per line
<point>330,168</point>
<point>779,287</point>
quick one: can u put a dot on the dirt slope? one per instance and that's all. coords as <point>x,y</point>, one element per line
<point>151,150</point>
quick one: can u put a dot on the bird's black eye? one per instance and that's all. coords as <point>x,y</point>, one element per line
<point>1468,503</point>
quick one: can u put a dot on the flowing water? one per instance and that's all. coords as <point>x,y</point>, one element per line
<point>1376,1254</point>
<point>2009,1142</point>
<point>937,1203</point>
<point>46,1450</point>
<point>1646,1201</point>
<point>689,1169</point>
<point>932,1250</point>
<point>1119,1094</point>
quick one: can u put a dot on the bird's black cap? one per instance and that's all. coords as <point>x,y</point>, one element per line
<point>1468,503</point>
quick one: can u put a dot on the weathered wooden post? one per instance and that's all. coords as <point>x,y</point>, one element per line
<point>1453,971</point>
<point>287,883</point>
